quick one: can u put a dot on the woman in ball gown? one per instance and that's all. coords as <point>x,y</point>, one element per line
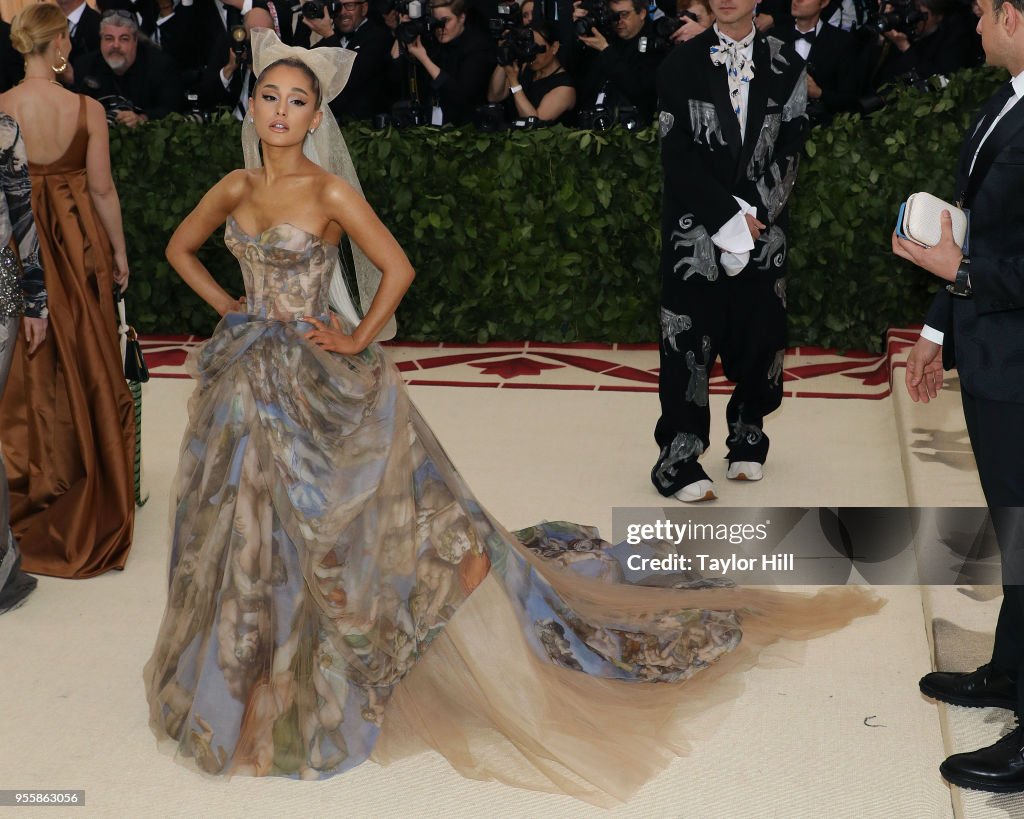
<point>336,591</point>
<point>22,293</point>
<point>67,414</point>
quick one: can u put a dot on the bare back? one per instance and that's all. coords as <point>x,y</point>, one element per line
<point>47,115</point>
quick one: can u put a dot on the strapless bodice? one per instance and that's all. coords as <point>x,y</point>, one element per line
<point>287,271</point>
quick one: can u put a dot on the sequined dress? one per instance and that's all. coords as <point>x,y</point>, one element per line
<point>338,594</point>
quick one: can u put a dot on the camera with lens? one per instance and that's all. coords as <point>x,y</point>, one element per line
<point>240,44</point>
<point>602,118</point>
<point>518,46</point>
<point>666,26</point>
<point>598,118</point>
<point>508,16</point>
<point>112,103</point>
<point>195,113</point>
<point>419,24</point>
<point>904,18</point>
<point>490,118</point>
<point>314,9</point>
<point>404,114</point>
<point>599,17</point>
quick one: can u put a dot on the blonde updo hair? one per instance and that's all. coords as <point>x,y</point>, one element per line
<point>36,26</point>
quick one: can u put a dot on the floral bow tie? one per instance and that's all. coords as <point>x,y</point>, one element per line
<point>738,67</point>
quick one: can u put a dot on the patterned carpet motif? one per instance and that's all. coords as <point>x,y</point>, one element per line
<point>809,372</point>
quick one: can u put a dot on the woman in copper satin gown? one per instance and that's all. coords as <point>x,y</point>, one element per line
<point>67,414</point>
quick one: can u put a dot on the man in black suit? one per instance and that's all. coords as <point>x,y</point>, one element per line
<point>620,70</point>
<point>977,322</point>
<point>832,75</point>
<point>133,79</point>
<point>83,25</point>
<point>364,94</point>
<point>733,124</point>
<point>227,80</point>
<point>12,65</point>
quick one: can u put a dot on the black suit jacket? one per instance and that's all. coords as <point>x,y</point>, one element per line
<point>364,94</point>
<point>12,66</point>
<point>833,64</point>
<point>705,163</point>
<point>985,333</point>
<point>151,83</point>
<point>87,33</point>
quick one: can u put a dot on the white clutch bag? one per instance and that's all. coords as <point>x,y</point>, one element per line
<point>920,220</point>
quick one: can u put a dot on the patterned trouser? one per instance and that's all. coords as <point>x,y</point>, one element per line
<point>8,551</point>
<point>741,320</point>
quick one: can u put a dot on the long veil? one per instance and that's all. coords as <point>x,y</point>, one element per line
<point>326,147</point>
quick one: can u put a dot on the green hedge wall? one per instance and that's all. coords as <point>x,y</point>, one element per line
<point>553,235</point>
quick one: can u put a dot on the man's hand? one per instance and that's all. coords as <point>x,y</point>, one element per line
<point>942,260</point>
<point>35,332</point>
<point>512,74</point>
<point>898,39</point>
<point>687,31</point>
<point>813,89</point>
<point>754,226</point>
<point>231,66</point>
<point>924,371</point>
<point>417,50</point>
<point>596,40</point>
<point>764,22</point>
<point>130,118</point>
<point>324,25</point>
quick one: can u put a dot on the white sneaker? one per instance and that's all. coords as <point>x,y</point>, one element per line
<point>702,490</point>
<point>745,471</point>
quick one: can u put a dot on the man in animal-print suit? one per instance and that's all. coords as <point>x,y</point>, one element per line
<point>732,122</point>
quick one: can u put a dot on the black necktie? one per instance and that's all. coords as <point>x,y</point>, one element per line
<point>989,111</point>
<point>807,35</point>
<point>234,17</point>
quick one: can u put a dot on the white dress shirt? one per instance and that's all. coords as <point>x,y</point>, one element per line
<point>733,238</point>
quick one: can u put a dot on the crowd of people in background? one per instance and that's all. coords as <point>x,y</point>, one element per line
<point>589,63</point>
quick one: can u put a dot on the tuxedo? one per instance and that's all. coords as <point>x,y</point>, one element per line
<point>984,339</point>
<point>12,66</point>
<point>85,35</point>
<point>364,95</point>
<point>176,37</point>
<point>833,64</point>
<point>706,162</point>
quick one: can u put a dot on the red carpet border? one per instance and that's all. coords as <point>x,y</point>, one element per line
<point>809,372</point>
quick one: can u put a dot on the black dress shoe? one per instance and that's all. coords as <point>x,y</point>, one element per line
<point>985,688</point>
<point>998,768</point>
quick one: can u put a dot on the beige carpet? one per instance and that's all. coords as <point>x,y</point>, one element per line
<point>844,735</point>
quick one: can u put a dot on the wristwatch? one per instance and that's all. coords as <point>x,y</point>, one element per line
<point>961,285</point>
<point>515,89</point>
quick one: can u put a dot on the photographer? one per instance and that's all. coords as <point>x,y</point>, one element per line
<point>620,69</point>
<point>452,62</point>
<point>921,40</point>
<point>133,79</point>
<point>231,85</point>
<point>539,88</point>
<point>695,18</point>
<point>364,95</point>
<point>833,77</point>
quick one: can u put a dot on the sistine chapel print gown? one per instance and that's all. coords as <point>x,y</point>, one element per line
<point>338,594</point>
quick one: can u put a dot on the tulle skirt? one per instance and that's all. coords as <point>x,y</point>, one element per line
<point>336,593</point>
